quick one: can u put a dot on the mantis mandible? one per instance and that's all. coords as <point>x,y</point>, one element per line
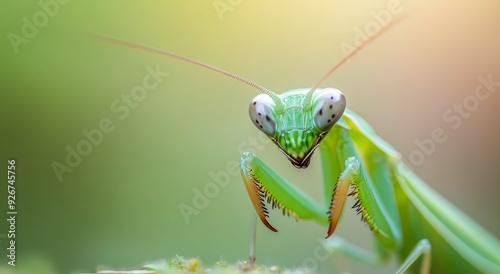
<point>405,215</point>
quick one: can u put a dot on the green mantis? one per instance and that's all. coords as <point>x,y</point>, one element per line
<point>406,216</point>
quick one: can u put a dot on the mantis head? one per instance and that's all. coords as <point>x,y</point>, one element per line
<point>297,121</point>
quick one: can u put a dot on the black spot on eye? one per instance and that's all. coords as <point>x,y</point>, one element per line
<point>331,106</point>
<point>254,103</point>
<point>260,126</point>
<point>259,114</point>
<point>333,116</point>
<point>321,112</point>
<point>329,120</point>
<point>267,118</point>
<point>257,121</point>
<point>331,98</point>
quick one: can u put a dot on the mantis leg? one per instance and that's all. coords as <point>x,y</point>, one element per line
<point>340,245</point>
<point>264,184</point>
<point>372,186</point>
<point>334,150</point>
<point>423,247</point>
<point>253,236</point>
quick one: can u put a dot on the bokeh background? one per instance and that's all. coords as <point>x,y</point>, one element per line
<point>120,206</point>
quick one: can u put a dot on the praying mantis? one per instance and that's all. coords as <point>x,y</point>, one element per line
<point>405,215</point>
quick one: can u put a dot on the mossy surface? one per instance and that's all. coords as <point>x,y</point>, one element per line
<point>193,265</point>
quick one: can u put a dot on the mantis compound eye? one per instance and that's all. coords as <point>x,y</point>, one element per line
<point>329,105</point>
<point>262,112</point>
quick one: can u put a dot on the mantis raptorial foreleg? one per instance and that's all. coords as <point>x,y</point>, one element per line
<point>331,153</point>
<point>373,151</point>
<point>261,180</point>
<point>379,160</point>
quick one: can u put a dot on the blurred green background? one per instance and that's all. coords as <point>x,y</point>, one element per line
<point>119,206</point>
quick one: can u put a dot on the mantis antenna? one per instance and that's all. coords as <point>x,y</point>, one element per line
<point>280,108</point>
<point>308,98</point>
<point>279,104</point>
